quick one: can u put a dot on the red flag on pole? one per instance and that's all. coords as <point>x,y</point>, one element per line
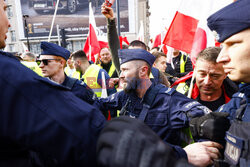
<point>91,46</point>
<point>188,31</point>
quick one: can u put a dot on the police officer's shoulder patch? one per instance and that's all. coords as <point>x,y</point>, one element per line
<point>168,91</point>
<point>238,95</point>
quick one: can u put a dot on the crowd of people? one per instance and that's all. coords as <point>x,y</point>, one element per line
<point>131,108</point>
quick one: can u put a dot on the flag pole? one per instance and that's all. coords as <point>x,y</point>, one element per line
<point>191,86</point>
<point>53,20</point>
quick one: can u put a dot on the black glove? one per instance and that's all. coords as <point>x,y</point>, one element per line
<point>127,142</point>
<point>212,126</point>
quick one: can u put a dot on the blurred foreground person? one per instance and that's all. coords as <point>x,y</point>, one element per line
<point>42,123</point>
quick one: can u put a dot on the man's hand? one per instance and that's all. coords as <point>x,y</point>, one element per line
<point>113,82</point>
<point>202,154</point>
<point>107,11</point>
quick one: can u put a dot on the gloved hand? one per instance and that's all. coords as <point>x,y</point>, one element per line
<point>212,126</point>
<point>127,142</point>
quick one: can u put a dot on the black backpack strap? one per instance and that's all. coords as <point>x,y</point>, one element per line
<point>148,101</point>
<point>71,82</point>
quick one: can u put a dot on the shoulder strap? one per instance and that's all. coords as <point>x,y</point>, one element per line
<point>240,111</point>
<point>71,82</point>
<point>148,100</point>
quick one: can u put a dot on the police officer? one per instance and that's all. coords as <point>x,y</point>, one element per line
<point>164,110</point>
<point>232,25</point>
<point>42,123</point>
<point>52,61</point>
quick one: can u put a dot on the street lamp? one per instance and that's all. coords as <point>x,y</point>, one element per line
<point>26,30</point>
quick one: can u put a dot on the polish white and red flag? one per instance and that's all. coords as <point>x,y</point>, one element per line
<point>92,46</point>
<point>188,31</point>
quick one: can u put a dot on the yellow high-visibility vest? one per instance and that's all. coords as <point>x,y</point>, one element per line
<point>182,64</point>
<point>74,74</point>
<point>90,78</point>
<point>33,66</point>
<point>111,69</point>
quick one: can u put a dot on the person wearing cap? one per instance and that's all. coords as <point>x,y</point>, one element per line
<point>231,25</point>
<point>52,62</point>
<point>42,123</point>
<point>163,109</point>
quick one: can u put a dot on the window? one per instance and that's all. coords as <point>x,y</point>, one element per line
<point>13,36</point>
<point>78,45</point>
<point>9,12</point>
<point>12,48</point>
<point>35,48</point>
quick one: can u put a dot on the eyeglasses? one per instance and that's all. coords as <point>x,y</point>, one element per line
<point>45,61</point>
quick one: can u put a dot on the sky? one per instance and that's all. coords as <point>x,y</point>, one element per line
<point>163,11</point>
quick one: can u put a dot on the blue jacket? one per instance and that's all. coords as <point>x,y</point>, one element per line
<point>45,117</point>
<point>169,111</point>
<point>235,103</point>
<point>80,89</point>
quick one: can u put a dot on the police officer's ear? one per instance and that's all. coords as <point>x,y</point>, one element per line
<point>143,71</point>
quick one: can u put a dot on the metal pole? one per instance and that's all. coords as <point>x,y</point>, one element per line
<point>58,34</point>
<point>118,16</point>
<point>53,20</point>
<point>26,30</point>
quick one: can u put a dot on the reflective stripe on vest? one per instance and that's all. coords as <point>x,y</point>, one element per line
<point>90,78</point>
<point>182,64</point>
<point>111,69</point>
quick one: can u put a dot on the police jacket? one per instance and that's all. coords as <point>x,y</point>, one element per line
<point>39,115</point>
<point>163,109</point>
<point>80,89</point>
<point>237,150</point>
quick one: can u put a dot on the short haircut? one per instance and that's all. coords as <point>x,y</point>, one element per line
<point>209,54</point>
<point>104,48</point>
<point>80,54</point>
<point>137,43</point>
<point>140,63</point>
<point>158,55</point>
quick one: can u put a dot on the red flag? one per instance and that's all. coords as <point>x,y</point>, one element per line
<point>103,44</point>
<point>157,41</point>
<point>123,39</point>
<point>91,46</point>
<point>181,32</point>
<point>188,31</point>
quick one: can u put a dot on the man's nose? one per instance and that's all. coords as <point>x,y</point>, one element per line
<point>223,56</point>
<point>207,79</point>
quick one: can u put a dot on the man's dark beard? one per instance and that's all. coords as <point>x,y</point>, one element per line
<point>132,84</point>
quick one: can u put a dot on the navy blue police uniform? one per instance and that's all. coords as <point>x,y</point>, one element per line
<point>78,87</point>
<point>226,22</point>
<point>163,109</point>
<point>40,116</point>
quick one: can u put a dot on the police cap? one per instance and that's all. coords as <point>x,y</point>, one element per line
<point>53,49</point>
<point>230,19</point>
<point>126,55</point>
